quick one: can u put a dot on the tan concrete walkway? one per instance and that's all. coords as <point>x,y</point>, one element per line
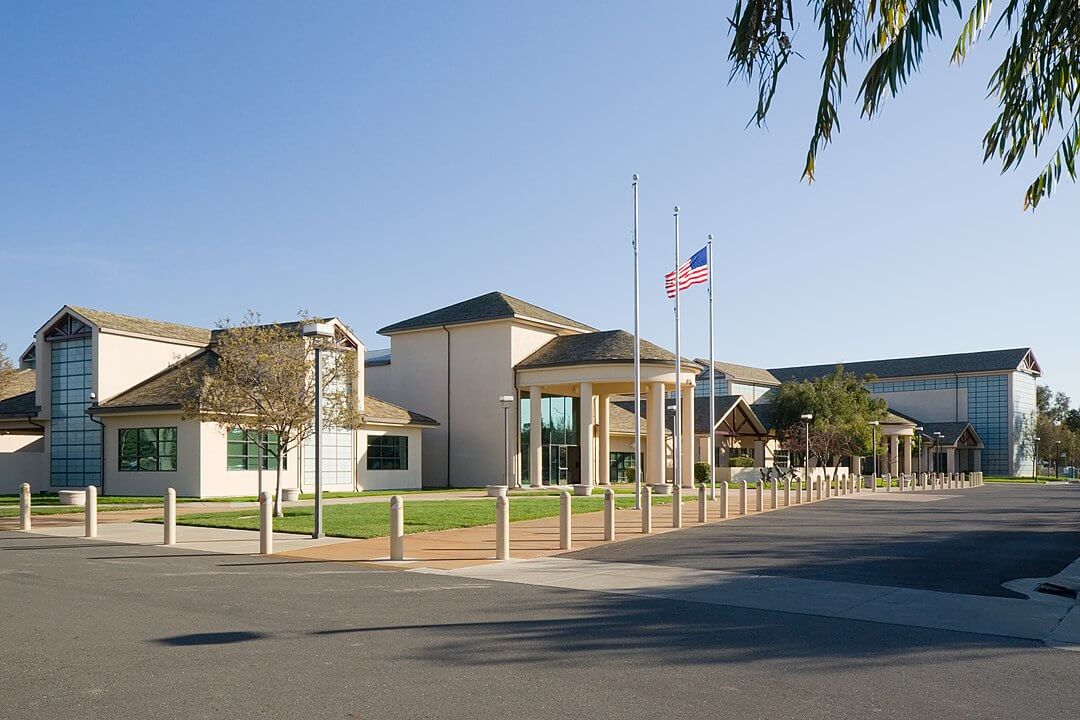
<point>465,547</point>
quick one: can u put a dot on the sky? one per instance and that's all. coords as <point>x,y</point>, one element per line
<point>373,161</point>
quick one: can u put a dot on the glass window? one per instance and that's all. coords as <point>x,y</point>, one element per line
<point>75,439</point>
<point>246,449</point>
<point>148,449</point>
<point>388,452</point>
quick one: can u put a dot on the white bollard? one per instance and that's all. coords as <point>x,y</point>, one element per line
<point>502,528</point>
<point>609,514</point>
<point>676,505</point>
<point>828,486</point>
<point>787,493</point>
<point>397,528</point>
<point>742,498</point>
<point>820,483</point>
<point>24,506</point>
<point>266,524</point>
<point>91,511</point>
<point>702,506</point>
<point>646,510</point>
<point>724,500</point>
<point>565,519</point>
<point>888,482</point>
<point>170,517</point>
<point>774,490</point>
<point>760,496</point>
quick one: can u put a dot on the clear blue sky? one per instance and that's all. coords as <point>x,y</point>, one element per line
<point>186,161</point>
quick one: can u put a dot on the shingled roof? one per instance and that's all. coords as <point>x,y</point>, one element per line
<point>18,399</point>
<point>492,306</point>
<point>609,346</point>
<point>621,419</point>
<point>167,391</point>
<point>154,328</point>
<point>746,373</point>
<point>973,362</point>
<point>951,432</point>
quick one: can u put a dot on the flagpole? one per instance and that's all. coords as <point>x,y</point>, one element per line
<point>676,464</point>
<point>712,387</point>
<point>637,359</point>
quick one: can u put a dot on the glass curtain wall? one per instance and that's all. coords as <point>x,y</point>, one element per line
<point>75,439</point>
<point>558,432</point>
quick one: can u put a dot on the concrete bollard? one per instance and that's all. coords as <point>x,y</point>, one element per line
<point>888,483</point>
<point>566,518</point>
<point>646,510</point>
<point>609,513</point>
<point>397,528</point>
<point>787,493</point>
<point>724,500</point>
<point>502,528</point>
<point>676,505</point>
<point>91,511</point>
<point>760,496</point>
<point>266,524</point>
<point>24,506</point>
<point>773,492</point>
<point>742,498</point>
<point>828,486</point>
<point>170,517</point>
<point>702,506</point>
<point>819,484</point>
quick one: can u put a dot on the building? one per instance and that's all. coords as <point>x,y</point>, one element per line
<point>963,412</point>
<point>97,401</point>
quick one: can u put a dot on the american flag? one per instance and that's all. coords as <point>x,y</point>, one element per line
<point>692,272</point>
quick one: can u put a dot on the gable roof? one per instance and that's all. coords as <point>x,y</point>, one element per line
<point>608,346</point>
<point>956,363</point>
<point>746,373</point>
<point>951,432</point>
<point>378,411</point>
<point>491,306</point>
<point>142,326</point>
<point>19,398</point>
<point>621,419</point>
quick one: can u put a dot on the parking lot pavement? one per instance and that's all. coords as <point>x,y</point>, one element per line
<point>963,542</point>
<point>127,632</point>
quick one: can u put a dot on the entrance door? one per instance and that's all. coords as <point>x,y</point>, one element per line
<point>559,457</point>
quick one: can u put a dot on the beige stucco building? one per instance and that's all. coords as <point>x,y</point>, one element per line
<point>98,402</point>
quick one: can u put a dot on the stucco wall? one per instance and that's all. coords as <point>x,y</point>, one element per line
<point>377,378</point>
<point>216,480</point>
<point>410,478</point>
<point>185,479</point>
<point>418,382</point>
<point>122,361</point>
<point>22,460</point>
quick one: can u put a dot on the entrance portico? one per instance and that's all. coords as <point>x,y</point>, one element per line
<point>595,369</point>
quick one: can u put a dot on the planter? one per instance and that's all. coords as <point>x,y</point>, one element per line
<point>583,490</point>
<point>72,497</point>
<point>496,490</point>
<point>660,489</point>
<point>290,494</point>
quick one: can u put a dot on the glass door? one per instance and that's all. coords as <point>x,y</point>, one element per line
<point>560,464</point>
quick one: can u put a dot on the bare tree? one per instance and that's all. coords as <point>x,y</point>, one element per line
<point>260,380</point>
<point>7,371</point>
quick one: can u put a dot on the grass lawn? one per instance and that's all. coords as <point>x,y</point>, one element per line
<point>367,520</point>
<point>10,511</point>
<point>1028,480</point>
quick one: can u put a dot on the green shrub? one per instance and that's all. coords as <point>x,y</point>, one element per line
<point>741,462</point>
<point>701,472</point>
<point>631,474</point>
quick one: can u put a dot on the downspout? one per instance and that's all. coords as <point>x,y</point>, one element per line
<point>448,424</point>
<point>102,425</point>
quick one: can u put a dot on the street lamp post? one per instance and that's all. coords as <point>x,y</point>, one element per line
<point>1057,458</point>
<point>318,330</point>
<point>806,418</point>
<point>873,427</point>
<point>506,401</point>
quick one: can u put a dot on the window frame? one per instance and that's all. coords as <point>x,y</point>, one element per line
<point>400,445</point>
<point>158,442</point>
<point>261,455</point>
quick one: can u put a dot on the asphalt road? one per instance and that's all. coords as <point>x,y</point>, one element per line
<point>93,630</point>
<point>970,542</point>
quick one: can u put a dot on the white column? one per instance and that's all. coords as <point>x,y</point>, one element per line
<point>894,455</point>
<point>536,449</point>
<point>687,460</point>
<point>759,453</point>
<point>907,455</point>
<point>585,433</point>
<point>950,460</point>
<point>604,460</point>
<point>656,456</point>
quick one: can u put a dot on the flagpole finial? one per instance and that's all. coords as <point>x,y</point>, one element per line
<point>676,209</point>
<point>709,238</point>
<point>635,177</point>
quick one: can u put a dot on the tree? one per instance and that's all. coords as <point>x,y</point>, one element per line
<point>1037,83</point>
<point>842,408</point>
<point>261,381</point>
<point>7,371</point>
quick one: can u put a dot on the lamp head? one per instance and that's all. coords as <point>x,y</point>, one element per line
<point>506,401</point>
